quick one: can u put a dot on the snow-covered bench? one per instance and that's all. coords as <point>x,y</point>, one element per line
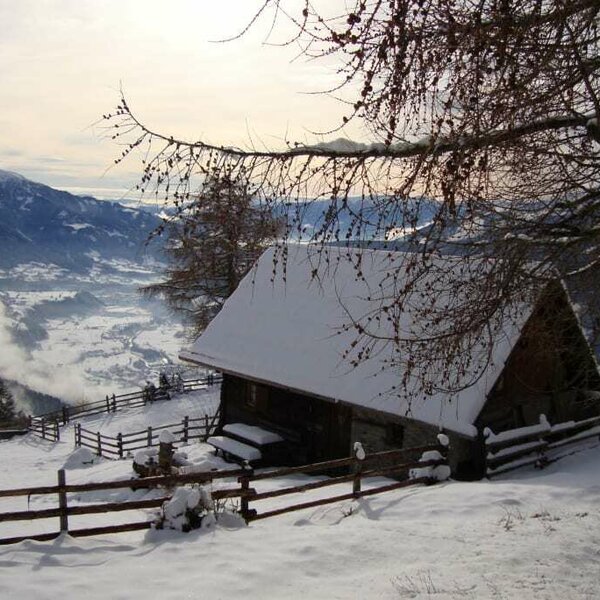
<point>257,436</point>
<point>247,443</point>
<point>234,449</point>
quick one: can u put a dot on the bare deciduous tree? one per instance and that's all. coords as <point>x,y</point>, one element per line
<point>490,107</point>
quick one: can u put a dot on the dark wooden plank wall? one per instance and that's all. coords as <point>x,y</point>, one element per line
<point>325,430</point>
<point>318,430</point>
<point>546,372</point>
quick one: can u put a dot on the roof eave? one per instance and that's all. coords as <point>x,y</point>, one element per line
<point>212,364</point>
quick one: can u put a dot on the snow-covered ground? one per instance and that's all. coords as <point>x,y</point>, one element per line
<point>192,404</point>
<point>533,534</point>
<point>78,336</point>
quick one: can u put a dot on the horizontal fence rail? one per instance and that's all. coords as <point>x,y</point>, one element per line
<point>395,465</point>
<point>536,445</point>
<point>47,430</point>
<point>200,428</point>
<point>369,466</point>
<point>46,425</point>
<point>63,510</point>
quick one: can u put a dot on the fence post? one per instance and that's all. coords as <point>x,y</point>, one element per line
<point>99,443</point>
<point>359,456</point>
<point>206,427</point>
<point>107,403</point>
<point>65,415</point>
<point>56,431</point>
<point>244,509</point>
<point>120,444</point>
<point>43,428</point>
<point>542,458</point>
<point>186,431</point>
<point>62,501</point>
<point>114,403</point>
<point>149,441</point>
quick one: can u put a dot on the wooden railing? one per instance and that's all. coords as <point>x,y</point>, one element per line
<point>40,424</point>
<point>63,511</point>
<point>402,461</point>
<point>396,463</point>
<point>46,429</point>
<point>118,446</point>
<point>534,445</point>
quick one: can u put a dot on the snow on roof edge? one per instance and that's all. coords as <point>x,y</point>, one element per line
<point>212,350</point>
<point>462,429</point>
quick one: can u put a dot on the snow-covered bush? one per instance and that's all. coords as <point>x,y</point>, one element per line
<point>437,472</point>
<point>162,461</point>
<point>188,508</point>
<point>145,460</point>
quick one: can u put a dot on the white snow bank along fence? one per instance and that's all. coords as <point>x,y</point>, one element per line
<point>536,445</point>
<point>118,446</point>
<point>41,424</point>
<point>419,465</point>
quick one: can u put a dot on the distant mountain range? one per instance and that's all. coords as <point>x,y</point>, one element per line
<point>42,224</point>
<point>45,225</point>
<point>376,222</point>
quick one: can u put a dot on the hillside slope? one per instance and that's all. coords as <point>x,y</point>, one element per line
<point>39,223</point>
<point>533,534</point>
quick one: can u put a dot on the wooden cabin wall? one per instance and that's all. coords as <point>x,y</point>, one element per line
<point>318,429</point>
<point>323,430</point>
<point>546,373</point>
<point>378,431</point>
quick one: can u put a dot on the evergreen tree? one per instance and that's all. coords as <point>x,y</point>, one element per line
<point>211,245</point>
<point>8,411</point>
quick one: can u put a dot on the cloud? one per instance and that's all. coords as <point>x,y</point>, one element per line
<point>17,364</point>
<point>11,153</point>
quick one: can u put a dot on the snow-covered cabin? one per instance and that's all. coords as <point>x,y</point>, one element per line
<point>280,342</point>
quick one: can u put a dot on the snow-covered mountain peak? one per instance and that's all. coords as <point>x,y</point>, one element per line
<point>42,224</point>
<point>10,176</point>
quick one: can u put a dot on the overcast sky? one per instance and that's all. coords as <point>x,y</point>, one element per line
<point>62,62</point>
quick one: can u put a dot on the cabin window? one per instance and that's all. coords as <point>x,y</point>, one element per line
<point>252,395</point>
<point>256,396</point>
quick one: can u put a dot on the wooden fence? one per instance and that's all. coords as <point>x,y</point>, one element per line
<point>63,511</point>
<point>360,469</point>
<point>46,425</point>
<point>534,445</point>
<point>118,446</point>
<point>48,430</point>
<point>394,463</point>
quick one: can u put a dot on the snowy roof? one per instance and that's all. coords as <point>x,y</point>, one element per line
<point>290,333</point>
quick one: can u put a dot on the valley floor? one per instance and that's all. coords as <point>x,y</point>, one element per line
<point>533,534</point>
